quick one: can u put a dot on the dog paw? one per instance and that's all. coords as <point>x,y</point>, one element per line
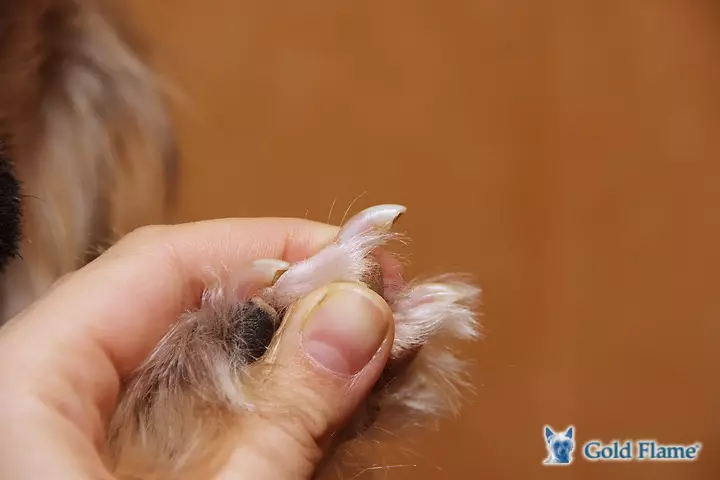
<point>424,379</point>
<point>196,381</point>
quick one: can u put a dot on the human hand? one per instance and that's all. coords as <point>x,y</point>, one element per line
<point>62,360</point>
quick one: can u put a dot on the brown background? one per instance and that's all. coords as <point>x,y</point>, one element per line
<point>565,152</point>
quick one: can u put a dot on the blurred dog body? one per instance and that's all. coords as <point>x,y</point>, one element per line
<point>88,152</point>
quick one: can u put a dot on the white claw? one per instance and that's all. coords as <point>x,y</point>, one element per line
<point>271,268</point>
<point>380,217</point>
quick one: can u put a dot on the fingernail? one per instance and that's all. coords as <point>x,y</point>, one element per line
<point>345,330</point>
<point>381,217</point>
<point>271,268</point>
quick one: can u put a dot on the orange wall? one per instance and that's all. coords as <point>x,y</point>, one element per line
<point>565,152</point>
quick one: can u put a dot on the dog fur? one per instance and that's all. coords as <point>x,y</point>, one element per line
<point>86,132</point>
<point>88,154</point>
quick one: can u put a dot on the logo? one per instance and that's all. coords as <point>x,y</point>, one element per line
<point>560,446</point>
<point>640,450</point>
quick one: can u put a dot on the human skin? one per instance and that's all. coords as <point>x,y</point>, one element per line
<point>62,359</point>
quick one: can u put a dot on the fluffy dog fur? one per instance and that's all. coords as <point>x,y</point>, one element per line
<point>87,155</point>
<point>86,133</point>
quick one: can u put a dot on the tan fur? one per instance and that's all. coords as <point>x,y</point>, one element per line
<point>88,135</point>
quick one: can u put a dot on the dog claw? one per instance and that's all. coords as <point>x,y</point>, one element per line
<point>271,268</point>
<point>246,281</point>
<point>380,217</point>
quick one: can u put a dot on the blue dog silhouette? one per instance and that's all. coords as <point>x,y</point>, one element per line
<point>560,446</point>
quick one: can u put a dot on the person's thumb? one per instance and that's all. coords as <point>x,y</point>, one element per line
<point>330,353</point>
